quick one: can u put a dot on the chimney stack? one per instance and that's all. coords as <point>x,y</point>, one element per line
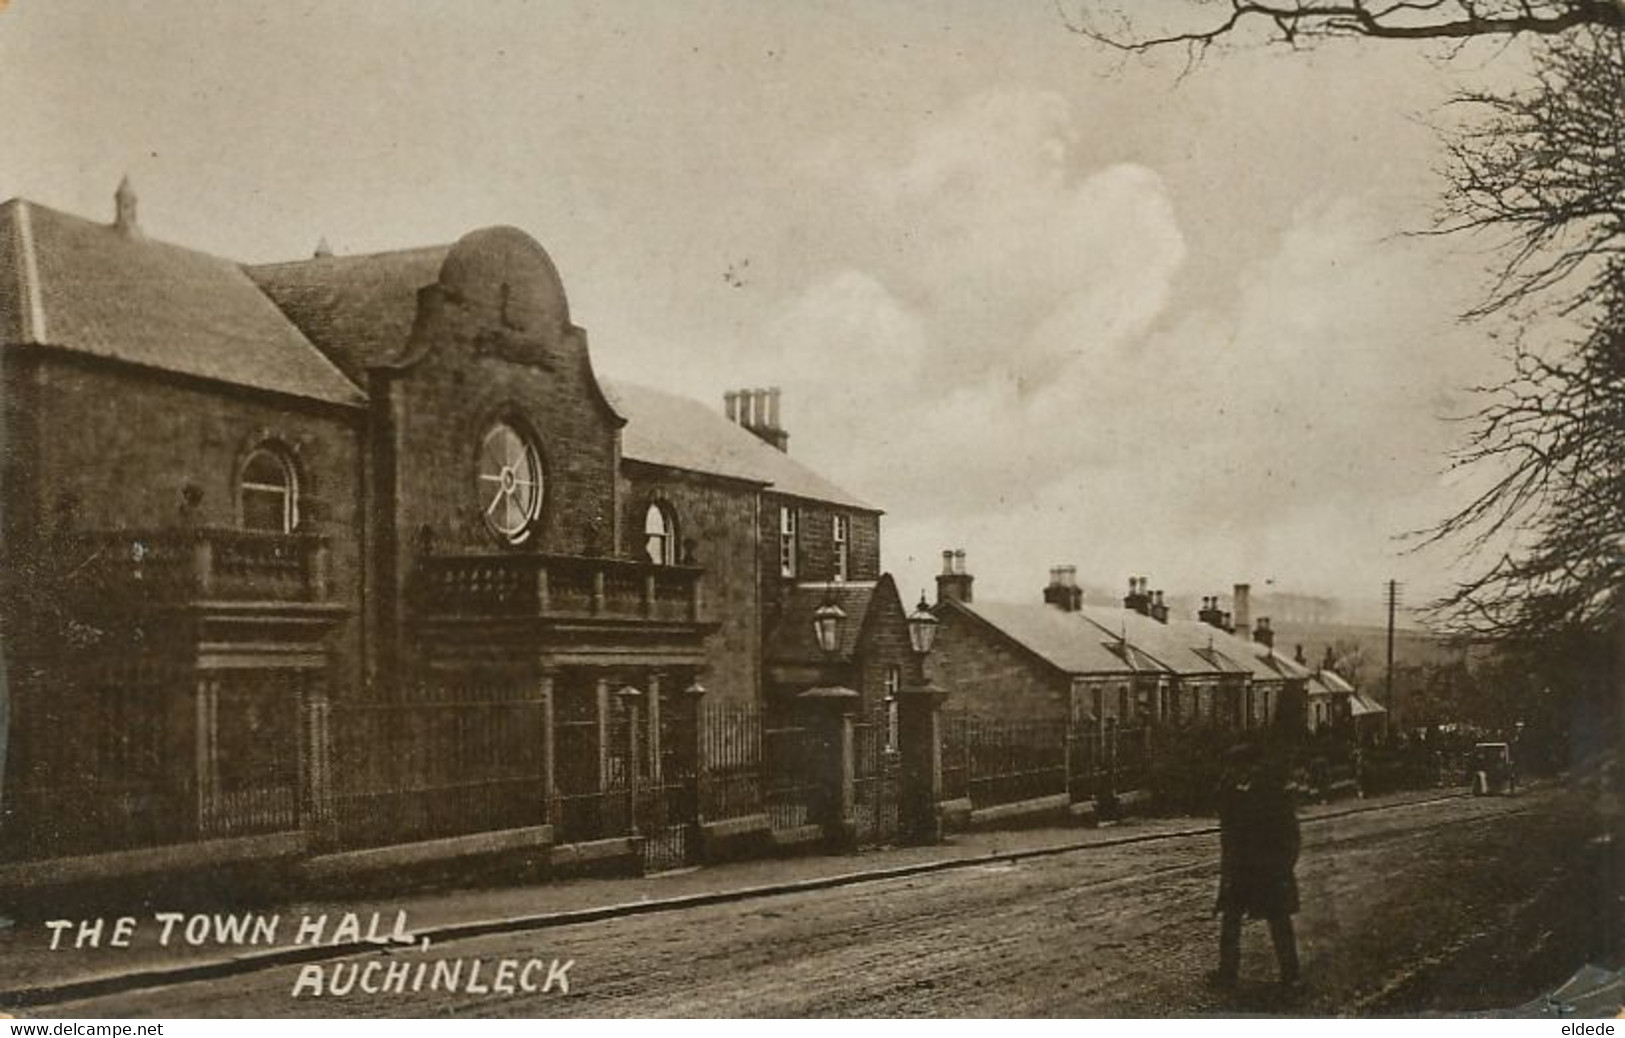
<point>1063,592</point>
<point>1242,603</point>
<point>1263,634</point>
<point>1210,613</point>
<point>1138,598</point>
<point>758,411</point>
<point>953,583</point>
<point>1159,610</point>
<point>124,215</point>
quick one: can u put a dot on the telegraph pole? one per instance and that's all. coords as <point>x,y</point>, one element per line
<point>1393,604</point>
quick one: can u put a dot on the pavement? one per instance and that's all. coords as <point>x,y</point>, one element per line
<point>31,973</point>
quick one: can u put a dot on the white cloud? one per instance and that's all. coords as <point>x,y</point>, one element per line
<point>1289,436</point>
<point>995,352</point>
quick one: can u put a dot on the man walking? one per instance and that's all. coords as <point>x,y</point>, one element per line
<point>1258,852</point>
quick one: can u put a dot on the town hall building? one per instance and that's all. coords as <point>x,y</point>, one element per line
<point>358,551</point>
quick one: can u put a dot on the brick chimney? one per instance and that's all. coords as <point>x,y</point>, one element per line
<point>1241,603</point>
<point>1263,634</point>
<point>1159,609</point>
<point>1210,613</point>
<point>758,411</point>
<point>124,216</point>
<point>1138,598</point>
<point>953,583</point>
<point>1063,592</point>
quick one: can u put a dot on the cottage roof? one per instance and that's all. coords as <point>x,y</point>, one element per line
<point>1285,666</point>
<point>678,432</point>
<point>1237,652</point>
<point>1060,639</point>
<point>1173,644</point>
<point>1362,705</point>
<point>793,640</point>
<point>1329,682</point>
<point>358,309</point>
<point>111,292</point>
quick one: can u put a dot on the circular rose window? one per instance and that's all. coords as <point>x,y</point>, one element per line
<point>510,483</point>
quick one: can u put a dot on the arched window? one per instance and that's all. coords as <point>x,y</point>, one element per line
<point>268,492</point>
<point>509,482</point>
<point>660,535</point>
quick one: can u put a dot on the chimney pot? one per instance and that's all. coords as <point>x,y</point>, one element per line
<point>1262,634</point>
<point>953,582</point>
<point>773,407</point>
<point>124,209</point>
<point>730,402</point>
<point>1063,592</point>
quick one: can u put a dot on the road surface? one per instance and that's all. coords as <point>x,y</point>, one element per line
<point>1461,905</point>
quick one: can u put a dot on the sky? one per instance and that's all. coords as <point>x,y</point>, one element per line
<point>1034,300</point>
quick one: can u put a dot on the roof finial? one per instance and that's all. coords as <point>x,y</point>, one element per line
<point>323,250</point>
<point>124,219</point>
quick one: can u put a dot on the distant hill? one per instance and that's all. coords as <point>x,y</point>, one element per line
<point>1411,646</point>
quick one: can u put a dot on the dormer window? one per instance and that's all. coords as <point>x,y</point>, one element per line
<point>268,492</point>
<point>509,483</point>
<point>660,535</point>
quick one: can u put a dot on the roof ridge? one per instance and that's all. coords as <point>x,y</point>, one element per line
<point>32,313</point>
<point>380,254</point>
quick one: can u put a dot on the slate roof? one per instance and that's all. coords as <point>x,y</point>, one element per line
<point>793,640</point>
<point>1236,652</point>
<point>1285,666</point>
<point>84,286</point>
<point>1063,640</point>
<point>1329,682</point>
<point>1173,645</point>
<point>358,309</point>
<point>677,432</point>
<point>1361,705</point>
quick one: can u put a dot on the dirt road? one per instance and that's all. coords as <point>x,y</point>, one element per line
<point>1462,905</point>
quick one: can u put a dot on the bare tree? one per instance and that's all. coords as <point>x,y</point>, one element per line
<point>1543,169</point>
<point>1298,21</point>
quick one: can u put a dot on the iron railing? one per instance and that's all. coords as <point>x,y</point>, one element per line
<point>430,768</point>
